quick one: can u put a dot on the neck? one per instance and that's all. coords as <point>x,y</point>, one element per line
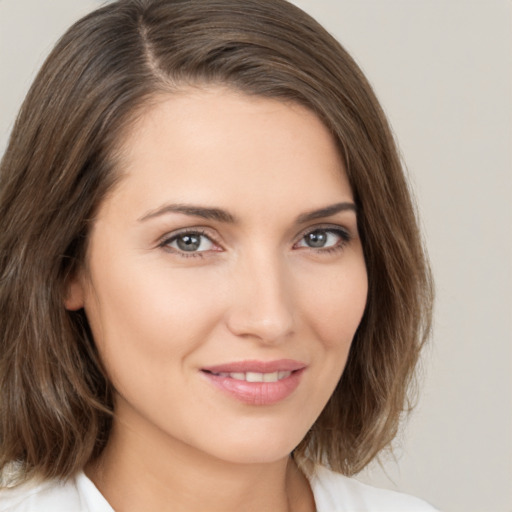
<point>147,473</point>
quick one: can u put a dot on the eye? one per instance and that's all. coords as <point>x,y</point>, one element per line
<point>324,238</point>
<point>189,242</point>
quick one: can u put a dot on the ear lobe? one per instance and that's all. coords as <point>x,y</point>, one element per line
<point>74,299</point>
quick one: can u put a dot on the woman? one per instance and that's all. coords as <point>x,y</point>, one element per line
<point>213,285</point>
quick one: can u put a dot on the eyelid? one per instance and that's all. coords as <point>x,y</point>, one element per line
<point>164,241</point>
<point>344,233</point>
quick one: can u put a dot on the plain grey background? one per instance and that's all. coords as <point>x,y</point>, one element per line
<point>443,72</point>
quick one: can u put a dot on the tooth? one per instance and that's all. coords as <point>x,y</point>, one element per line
<point>254,377</point>
<point>283,375</point>
<point>270,377</point>
<point>223,374</point>
<point>237,376</point>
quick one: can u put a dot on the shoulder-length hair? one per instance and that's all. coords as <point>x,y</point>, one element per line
<point>56,403</point>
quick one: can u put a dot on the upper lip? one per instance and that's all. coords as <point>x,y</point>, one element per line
<point>283,365</point>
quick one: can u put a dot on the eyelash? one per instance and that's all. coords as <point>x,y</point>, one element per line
<point>344,238</point>
<point>343,234</point>
<point>165,243</point>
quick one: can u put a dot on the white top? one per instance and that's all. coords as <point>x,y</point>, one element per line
<point>332,492</point>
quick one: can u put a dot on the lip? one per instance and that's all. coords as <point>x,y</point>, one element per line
<point>285,365</point>
<point>256,393</point>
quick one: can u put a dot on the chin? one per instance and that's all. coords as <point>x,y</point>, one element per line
<point>257,447</point>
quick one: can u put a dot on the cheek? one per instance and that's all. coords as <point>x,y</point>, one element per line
<point>336,304</point>
<point>149,314</point>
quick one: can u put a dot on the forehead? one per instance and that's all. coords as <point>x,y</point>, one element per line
<point>216,145</point>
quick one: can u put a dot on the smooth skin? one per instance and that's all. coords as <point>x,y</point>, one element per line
<point>232,236</point>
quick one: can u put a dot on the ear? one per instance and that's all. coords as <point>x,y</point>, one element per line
<point>74,299</point>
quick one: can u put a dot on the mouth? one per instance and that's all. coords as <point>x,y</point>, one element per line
<point>254,376</point>
<point>257,382</point>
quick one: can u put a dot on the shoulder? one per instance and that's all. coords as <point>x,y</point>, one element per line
<point>41,497</point>
<point>74,495</point>
<point>337,493</point>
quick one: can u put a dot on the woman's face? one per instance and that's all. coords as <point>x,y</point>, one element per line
<point>225,276</point>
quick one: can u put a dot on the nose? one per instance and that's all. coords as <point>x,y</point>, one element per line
<point>261,305</point>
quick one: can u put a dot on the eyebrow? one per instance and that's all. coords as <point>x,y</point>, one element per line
<point>220,215</point>
<point>192,210</point>
<point>328,211</point>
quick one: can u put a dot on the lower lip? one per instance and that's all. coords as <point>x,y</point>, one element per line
<point>257,393</point>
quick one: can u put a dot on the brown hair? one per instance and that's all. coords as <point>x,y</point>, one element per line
<point>55,400</point>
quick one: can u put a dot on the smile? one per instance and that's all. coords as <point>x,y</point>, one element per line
<point>256,382</point>
<point>256,376</point>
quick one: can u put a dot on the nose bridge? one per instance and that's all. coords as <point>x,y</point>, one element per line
<point>262,301</point>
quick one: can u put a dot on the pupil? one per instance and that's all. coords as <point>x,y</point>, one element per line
<point>317,239</point>
<point>189,242</point>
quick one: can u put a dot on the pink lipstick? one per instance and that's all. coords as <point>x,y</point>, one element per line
<point>257,382</point>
